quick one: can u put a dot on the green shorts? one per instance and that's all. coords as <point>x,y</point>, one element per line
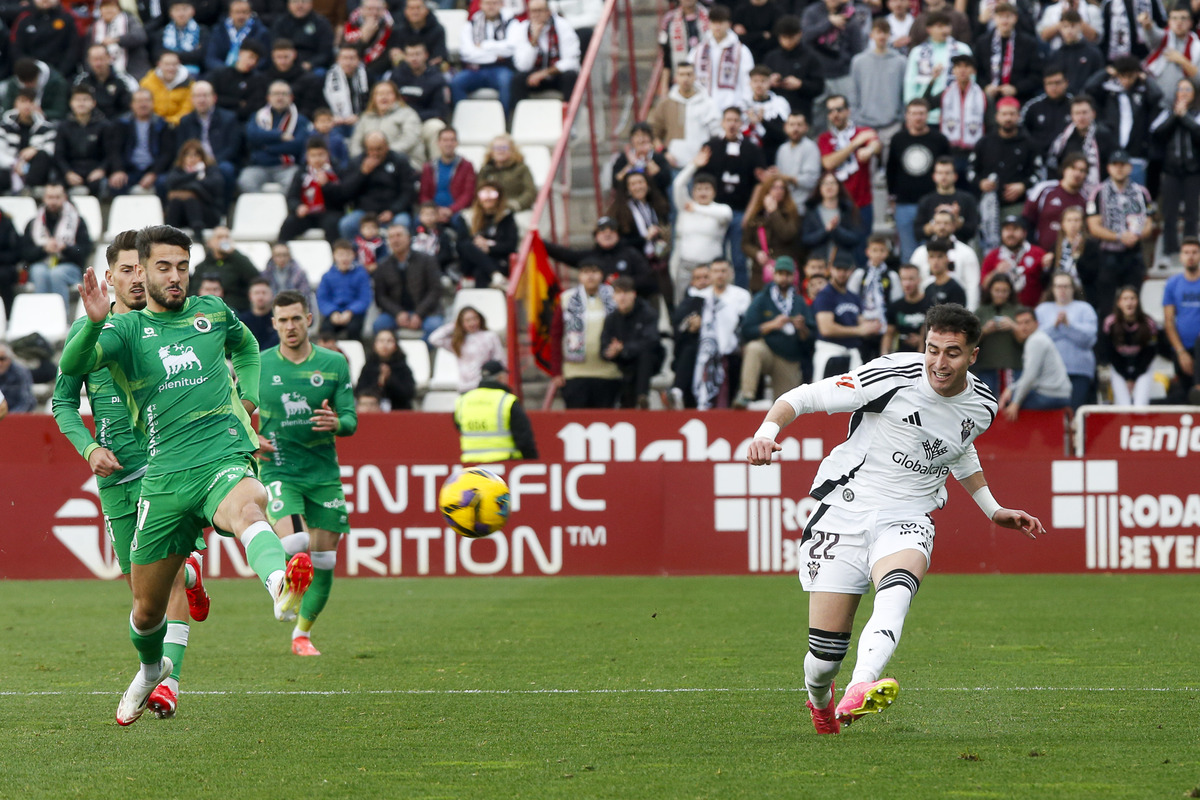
<point>323,505</point>
<point>173,507</point>
<point>119,504</point>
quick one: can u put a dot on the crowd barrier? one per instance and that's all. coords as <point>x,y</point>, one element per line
<point>663,493</point>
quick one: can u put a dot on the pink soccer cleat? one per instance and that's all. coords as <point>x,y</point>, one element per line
<point>866,698</point>
<point>303,646</point>
<point>825,719</point>
<point>197,596</point>
<point>163,702</point>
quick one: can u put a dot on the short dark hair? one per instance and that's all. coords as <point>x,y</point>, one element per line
<point>160,234</point>
<point>82,88</point>
<point>1084,98</point>
<point>252,46</point>
<point>368,219</point>
<point>1020,312</point>
<point>26,94</point>
<point>214,277</point>
<point>787,25</point>
<point>918,269</point>
<point>704,177</point>
<point>943,160</point>
<point>1189,240</point>
<point>413,41</point>
<point>640,127</point>
<point>841,97</point>
<point>1070,159</point>
<point>1004,8</point>
<point>290,297</point>
<point>1071,17</point>
<point>734,109</point>
<point>719,13</point>
<point>259,281</point>
<point>1126,65</point>
<point>937,18</point>
<point>881,24</point>
<point>624,284</point>
<point>938,244</point>
<point>343,244</point>
<point>880,238</point>
<point>1052,70</point>
<point>953,318</point>
<point>760,69</point>
<point>322,111</point>
<point>283,43</point>
<point>26,70</point>
<point>316,143</point>
<point>918,101</point>
<point>125,240</point>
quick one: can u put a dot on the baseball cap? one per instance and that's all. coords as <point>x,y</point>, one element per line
<point>1012,219</point>
<point>491,369</point>
<point>1119,157</point>
<point>785,264</point>
<point>606,222</point>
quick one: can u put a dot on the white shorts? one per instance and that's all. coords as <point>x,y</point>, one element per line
<point>840,547</point>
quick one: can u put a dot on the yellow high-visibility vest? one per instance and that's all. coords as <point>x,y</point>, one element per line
<point>484,421</point>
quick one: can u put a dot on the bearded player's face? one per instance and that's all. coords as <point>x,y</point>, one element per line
<point>128,280</point>
<point>167,277</point>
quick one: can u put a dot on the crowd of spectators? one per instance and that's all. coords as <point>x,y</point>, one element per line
<point>1032,162</point>
<point>814,176</point>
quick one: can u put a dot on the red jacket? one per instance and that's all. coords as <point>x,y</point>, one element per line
<point>462,184</point>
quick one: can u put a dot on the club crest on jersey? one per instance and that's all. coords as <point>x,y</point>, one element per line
<point>813,568</point>
<point>148,332</point>
<point>848,495</point>
<point>177,358</point>
<point>968,426</point>
<point>295,403</point>
<point>202,324</point>
<point>934,449</point>
<point>276,380</point>
<point>317,379</point>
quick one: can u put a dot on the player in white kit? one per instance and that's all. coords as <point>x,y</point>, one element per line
<point>915,420</point>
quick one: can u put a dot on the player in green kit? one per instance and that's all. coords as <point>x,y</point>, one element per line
<point>168,361</point>
<point>117,456</point>
<point>306,401</point>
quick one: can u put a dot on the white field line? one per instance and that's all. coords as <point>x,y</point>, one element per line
<point>679,690</point>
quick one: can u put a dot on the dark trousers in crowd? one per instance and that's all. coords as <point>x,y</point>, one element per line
<point>351,330</point>
<point>1177,189</point>
<point>636,376</point>
<point>191,212</point>
<point>474,263</point>
<point>37,175</point>
<point>591,392</point>
<point>294,226</point>
<point>1121,268</point>
<point>564,83</point>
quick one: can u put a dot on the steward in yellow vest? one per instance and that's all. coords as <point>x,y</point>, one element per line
<point>491,422</point>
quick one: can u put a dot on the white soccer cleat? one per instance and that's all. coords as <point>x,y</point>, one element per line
<point>296,580</point>
<point>133,702</point>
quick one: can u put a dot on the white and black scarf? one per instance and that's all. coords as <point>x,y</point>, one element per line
<point>479,28</point>
<point>963,115</point>
<point>549,57</point>
<point>1067,258</point>
<point>1122,29</point>
<point>1002,58</point>
<point>724,73</point>
<point>872,294</point>
<point>1016,272</point>
<point>645,218</point>
<point>841,140</point>
<point>575,320</point>
<point>64,231</point>
<point>674,33</point>
<point>1120,207</point>
<point>346,95</point>
<point>119,27</point>
<point>1091,151</point>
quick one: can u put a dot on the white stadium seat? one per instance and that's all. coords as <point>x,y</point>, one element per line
<point>258,216</point>
<point>439,401</point>
<point>416,353</point>
<point>480,121</point>
<point>452,20</point>
<point>356,355</point>
<point>259,253</point>
<point>492,304</point>
<point>196,255</point>
<point>4,321</point>
<point>445,372</point>
<point>20,210</point>
<point>537,122</point>
<point>474,153</point>
<point>39,313</point>
<point>314,257</point>
<point>133,211</point>
<point>537,158</point>
<point>89,211</point>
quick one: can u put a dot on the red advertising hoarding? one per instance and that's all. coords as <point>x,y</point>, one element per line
<point>646,493</point>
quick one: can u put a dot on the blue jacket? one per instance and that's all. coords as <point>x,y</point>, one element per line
<point>224,134</point>
<point>219,42</point>
<point>267,147</point>
<point>344,291</point>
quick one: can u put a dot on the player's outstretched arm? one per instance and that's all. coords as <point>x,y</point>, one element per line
<point>1013,519</point>
<point>93,293</point>
<point>763,446</point>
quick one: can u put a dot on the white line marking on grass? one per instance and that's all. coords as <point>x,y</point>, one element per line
<point>677,690</point>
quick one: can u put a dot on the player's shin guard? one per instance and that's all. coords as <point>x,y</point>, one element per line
<point>295,543</point>
<point>826,649</point>
<point>264,553</point>
<point>317,595</point>
<point>893,596</point>
<point>149,643</point>
<point>175,645</point>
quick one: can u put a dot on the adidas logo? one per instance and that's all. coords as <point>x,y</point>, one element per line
<point>914,419</point>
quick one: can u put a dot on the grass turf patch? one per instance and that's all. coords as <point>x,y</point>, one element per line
<point>1031,686</point>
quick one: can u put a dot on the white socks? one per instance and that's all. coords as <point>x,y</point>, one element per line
<point>247,536</point>
<point>295,543</point>
<point>893,596</point>
<point>826,649</point>
<point>324,559</point>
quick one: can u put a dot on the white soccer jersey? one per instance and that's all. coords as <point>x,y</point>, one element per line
<point>904,438</point>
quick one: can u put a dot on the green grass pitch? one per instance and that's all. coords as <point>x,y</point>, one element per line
<point>624,688</point>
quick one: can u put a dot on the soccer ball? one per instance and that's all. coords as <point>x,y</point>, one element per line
<point>475,502</point>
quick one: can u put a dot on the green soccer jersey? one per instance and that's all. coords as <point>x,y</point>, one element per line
<point>170,368</point>
<point>290,392</point>
<point>113,428</point>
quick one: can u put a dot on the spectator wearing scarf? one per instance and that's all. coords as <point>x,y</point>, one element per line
<point>1119,212</point>
<point>1177,54</point>
<point>368,30</point>
<point>275,137</point>
<point>231,33</point>
<point>347,89</point>
<point>128,52</point>
<point>1087,136</point>
<point>1009,60</point>
<point>1124,34</point>
<point>679,30</point>
<point>723,64</point>
<point>314,196</point>
<point>183,35</point>
<point>546,53</point>
<point>55,244</point>
<point>486,53</point>
<point>775,324</point>
<point>577,364</point>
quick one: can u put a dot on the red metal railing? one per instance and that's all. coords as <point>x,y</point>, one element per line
<point>607,32</point>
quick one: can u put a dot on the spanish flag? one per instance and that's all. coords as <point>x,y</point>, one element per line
<point>539,289</point>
